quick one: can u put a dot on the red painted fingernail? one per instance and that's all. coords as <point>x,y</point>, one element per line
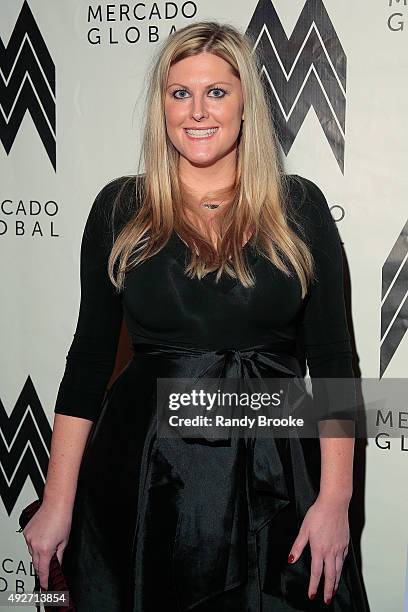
<point>313,595</point>
<point>329,601</point>
<point>291,558</point>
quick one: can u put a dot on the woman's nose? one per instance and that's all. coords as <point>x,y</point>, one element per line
<point>199,110</point>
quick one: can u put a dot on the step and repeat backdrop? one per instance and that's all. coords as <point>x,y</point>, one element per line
<point>72,88</point>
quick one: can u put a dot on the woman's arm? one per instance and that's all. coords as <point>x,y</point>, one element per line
<point>325,338</point>
<point>336,476</point>
<point>91,356</point>
<point>89,364</point>
<point>48,530</point>
<point>69,437</point>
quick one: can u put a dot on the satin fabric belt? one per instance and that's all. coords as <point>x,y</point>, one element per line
<point>223,495</point>
<point>231,362</point>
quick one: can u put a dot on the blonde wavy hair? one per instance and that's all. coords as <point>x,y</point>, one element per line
<point>259,195</point>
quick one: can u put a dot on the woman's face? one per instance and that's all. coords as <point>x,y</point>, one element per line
<point>203,93</point>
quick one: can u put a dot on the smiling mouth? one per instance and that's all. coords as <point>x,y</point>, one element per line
<point>200,133</point>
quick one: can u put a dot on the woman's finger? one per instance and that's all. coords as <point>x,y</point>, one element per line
<point>315,574</point>
<point>329,577</point>
<point>43,569</point>
<point>35,557</point>
<point>345,552</point>
<point>60,553</point>
<point>339,567</point>
<point>298,545</point>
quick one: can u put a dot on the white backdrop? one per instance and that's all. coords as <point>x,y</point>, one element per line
<point>352,143</point>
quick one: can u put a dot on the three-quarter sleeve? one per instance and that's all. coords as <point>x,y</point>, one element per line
<point>323,330</point>
<point>91,356</point>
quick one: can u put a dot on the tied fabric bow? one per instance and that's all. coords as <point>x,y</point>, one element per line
<point>232,371</point>
<point>216,498</point>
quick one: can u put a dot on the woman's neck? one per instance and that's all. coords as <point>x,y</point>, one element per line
<point>200,180</point>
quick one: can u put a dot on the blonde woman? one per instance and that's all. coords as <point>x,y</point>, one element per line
<point>222,266</point>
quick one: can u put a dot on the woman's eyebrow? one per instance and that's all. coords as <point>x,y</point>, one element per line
<point>207,86</point>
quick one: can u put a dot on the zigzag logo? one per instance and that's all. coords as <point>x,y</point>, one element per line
<point>307,69</point>
<point>27,83</point>
<point>394,299</point>
<point>25,440</point>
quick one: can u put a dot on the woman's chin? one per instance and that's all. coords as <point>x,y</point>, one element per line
<point>201,160</point>
<point>204,158</point>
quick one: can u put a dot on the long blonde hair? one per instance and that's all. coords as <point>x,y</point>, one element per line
<point>260,191</point>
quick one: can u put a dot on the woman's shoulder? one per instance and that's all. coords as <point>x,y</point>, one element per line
<point>116,202</point>
<point>127,187</point>
<point>304,193</point>
<point>309,205</point>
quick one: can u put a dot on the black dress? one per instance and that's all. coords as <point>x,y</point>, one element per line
<point>178,525</point>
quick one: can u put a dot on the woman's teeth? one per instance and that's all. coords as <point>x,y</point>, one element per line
<point>201,133</point>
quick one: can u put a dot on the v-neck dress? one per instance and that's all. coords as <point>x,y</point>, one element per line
<point>197,524</point>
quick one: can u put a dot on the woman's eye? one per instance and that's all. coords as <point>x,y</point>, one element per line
<point>178,91</point>
<point>221,93</point>
<point>220,90</point>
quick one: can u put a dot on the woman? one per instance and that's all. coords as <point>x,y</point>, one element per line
<point>143,523</point>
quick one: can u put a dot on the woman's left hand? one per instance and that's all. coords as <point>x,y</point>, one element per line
<point>326,528</point>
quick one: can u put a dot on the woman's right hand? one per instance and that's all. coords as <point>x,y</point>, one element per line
<point>47,532</point>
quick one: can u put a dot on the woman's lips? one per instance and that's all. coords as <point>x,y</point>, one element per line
<point>198,137</point>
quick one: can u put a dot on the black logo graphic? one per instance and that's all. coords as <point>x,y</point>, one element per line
<point>25,440</point>
<point>307,69</point>
<point>394,299</point>
<point>28,84</point>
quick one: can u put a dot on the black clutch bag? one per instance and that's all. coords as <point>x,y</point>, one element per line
<point>56,578</point>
